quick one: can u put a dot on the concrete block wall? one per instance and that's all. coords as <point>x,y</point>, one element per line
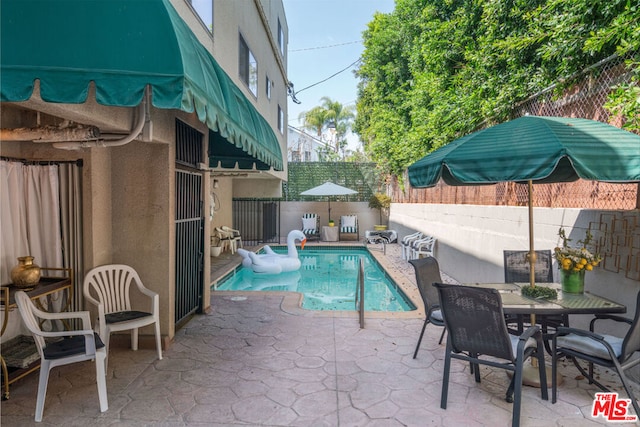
<point>471,238</point>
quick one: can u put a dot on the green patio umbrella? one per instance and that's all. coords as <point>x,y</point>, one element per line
<point>534,149</point>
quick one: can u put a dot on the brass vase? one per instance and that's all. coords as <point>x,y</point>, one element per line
<point>26,274</point>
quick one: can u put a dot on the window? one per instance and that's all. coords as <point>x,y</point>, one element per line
<point>267,88</point>
<point>248,67</point>
<point>204,9</point>
<point>280,119</point>
<point>280,38</point>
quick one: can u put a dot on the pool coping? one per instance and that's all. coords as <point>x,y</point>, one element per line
<point>292,301</point>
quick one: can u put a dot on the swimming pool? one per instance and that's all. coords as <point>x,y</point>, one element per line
<point>327,279</point>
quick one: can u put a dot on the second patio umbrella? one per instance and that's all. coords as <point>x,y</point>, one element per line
<point>328,189</point>
<point>534,149</point>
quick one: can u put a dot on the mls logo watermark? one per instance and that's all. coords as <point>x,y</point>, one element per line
<point>611,408</point>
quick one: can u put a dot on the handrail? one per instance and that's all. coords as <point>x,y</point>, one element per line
<point>360,293</point>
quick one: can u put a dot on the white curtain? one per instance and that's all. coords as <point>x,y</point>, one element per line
<point>29,215</point>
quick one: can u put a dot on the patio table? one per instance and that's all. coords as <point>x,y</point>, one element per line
<point>515,304</point>
<point>587,303</point>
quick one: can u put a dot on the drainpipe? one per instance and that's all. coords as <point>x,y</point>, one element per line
<point>143,117</point>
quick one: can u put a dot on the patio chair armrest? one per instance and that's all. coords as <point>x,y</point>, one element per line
<point>84,316</point>
<point>608,317</point>
<point>530,332</point>
<point>563,330</point>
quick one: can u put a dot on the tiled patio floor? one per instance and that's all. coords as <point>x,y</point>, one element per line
<point>253,360</point>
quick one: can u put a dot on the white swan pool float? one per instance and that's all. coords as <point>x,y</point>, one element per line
<point>273,263</point>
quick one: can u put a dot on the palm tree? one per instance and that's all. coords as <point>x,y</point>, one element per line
<point>314,119</point>
<point>340,116</point>
<point>331,114</point>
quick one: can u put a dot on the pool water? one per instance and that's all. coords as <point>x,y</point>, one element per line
<point>327,278</point>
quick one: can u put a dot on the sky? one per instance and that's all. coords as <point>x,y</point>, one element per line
<point>325,37</point>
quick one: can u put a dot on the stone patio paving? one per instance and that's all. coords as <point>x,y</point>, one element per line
<point>257,359</point>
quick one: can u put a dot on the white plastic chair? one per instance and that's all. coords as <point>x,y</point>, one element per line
<point>405,244</point>
<point>109,288</point>
<point>226,239</point>
<point>235,237</point>
<point>75,346</point>
<point>423,246</point>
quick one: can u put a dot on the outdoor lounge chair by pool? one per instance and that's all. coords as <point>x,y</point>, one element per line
<point>311,226</point>
<point>349,227</point>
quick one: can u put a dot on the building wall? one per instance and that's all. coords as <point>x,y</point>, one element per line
<point>232,18</point>
<point>300,142</point>
<point>129,191</point>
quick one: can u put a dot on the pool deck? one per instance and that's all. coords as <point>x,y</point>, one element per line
<point>254,359</point>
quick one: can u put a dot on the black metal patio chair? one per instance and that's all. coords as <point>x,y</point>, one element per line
<point>599,349</point>
<point>475,328</point>
<point>427,273</point>
<point>516,270</point>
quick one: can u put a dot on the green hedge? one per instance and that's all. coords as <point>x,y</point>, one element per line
<point>361,177</point>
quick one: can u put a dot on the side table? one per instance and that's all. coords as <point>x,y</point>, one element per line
<point>329,234</point>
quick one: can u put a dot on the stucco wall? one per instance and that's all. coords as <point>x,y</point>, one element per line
<point>291,215</point>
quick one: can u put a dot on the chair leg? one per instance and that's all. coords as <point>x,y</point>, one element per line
<point>158,343</point>
<point>510,390</point>
<point>424,326</point>
<point>134,339</point>
<point>441,336</point>
<point>101,379</point>
<point>517,393</point>
<point>445,379</point>
<point>554,373</point>
<point>475,367</point>
<point>625,384</point>
<point>542,370</point>
<point>43,381</point>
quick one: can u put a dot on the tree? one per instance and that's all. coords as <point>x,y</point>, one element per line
<point>330,115</point>
<point>314,119</point>
<point>433,71</point>
<point>380,201</point>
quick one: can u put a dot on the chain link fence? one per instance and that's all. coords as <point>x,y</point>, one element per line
<point>582,95</point>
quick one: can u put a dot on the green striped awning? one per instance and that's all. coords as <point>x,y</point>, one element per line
<point>121,46</point>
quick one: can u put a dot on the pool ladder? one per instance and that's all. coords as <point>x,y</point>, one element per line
<point>360,293</point>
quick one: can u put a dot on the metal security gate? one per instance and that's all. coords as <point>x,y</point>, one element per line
<point>259,220</point>
<point>189,224</point>
<point>189,244</point>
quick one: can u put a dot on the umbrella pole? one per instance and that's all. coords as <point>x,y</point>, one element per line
<point>532,252</point>
<point>531,376</point>
<point>530,373</point>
